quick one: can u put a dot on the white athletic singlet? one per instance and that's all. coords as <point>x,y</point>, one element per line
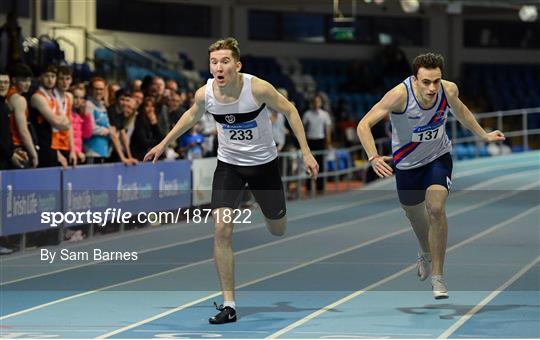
<point>244,129</point>
<point>419,135</point>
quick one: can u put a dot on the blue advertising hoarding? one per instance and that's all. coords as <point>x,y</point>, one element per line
<point>174,184</point>
<point>25,195</point>
<point>142,188</point>
<point>90,187</point>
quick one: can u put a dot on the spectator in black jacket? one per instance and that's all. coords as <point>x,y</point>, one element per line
<point>6,144</point>
<point>8,158</point>
<point>146,133</point>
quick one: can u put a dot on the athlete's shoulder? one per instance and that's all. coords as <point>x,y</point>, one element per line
<point>399,91</point>
<point>397,97</point>
<point>200,94</point>
<point>260,86</point>
<point>450,88</point>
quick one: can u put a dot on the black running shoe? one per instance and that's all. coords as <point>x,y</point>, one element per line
<point>225,315</point>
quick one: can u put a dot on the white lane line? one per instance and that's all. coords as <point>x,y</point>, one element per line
<point>498,179</point>
<point>68,298</point>
<point>204,237</point>
<point>487,300</point>
<point>179,308</point>
<point>392,277</point>
<point>459,174</point>
<point>316,231</point>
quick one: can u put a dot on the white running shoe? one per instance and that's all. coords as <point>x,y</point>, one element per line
<point>423,266</point>
<point>439,287</point>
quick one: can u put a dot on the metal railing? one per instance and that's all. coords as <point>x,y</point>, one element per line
<point>70,44</point>
<point>499,116</point>
<point>118,45</point>
<point>295,178</point>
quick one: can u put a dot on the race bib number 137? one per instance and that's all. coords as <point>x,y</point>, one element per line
<point>427,133</point>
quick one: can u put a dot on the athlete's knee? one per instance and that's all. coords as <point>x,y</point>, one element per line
<point>277,227</point>
<point>222,235</point>
<point>435,209</point>
<point>222,231</point>
<point>412,211</point>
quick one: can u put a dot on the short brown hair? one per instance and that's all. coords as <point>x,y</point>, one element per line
<point>96,79</point>
<point>20,71</point>
<point>226,44</point>
<point>65,70</point>
<point>49,69</point>
<point>429,61</point>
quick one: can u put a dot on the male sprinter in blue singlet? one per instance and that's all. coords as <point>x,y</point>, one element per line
<point>246,153</point>
<point>418,109</point>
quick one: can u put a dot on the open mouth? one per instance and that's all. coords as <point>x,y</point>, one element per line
<point>220,77</point>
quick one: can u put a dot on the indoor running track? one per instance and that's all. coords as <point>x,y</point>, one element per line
<point>344,269</point>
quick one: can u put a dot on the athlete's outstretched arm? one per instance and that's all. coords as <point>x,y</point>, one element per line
<point>465,116</point>
<point>393,100</point>
<point>186,122</point>
<point>264,92</point>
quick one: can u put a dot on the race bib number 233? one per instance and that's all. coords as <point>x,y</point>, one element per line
<point>242,132</point>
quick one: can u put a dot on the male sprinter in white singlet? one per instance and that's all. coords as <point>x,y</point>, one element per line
<point>418,110</point>
<point>246,153</point>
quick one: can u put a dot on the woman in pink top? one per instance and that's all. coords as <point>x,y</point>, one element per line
<point>82,124</point>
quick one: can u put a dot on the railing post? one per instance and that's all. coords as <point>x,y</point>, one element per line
<point>524,124</point>
<point>91,230</point>
<point>284,174</point>
<point>350,168</point>
<point>22,243</point>
<point>336,176</point>
<point>323,167</point>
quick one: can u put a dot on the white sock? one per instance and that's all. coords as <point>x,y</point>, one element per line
<point>230,304</point>
<point>436,276</point>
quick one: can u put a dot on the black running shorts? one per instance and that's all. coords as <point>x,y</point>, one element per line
<point>263,180</point>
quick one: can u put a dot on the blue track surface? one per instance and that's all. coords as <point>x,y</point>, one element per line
<point>344,269</point>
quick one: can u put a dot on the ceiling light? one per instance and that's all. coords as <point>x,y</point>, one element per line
<point>528,13</point>
<point>410,6</point>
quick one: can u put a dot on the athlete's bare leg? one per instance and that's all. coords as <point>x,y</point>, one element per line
<point>223,253</point>
<point>438,232</point>
<point>277,227</point>
<point>418,216</point>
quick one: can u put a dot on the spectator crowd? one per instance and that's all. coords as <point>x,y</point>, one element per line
<point>60,123</point>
